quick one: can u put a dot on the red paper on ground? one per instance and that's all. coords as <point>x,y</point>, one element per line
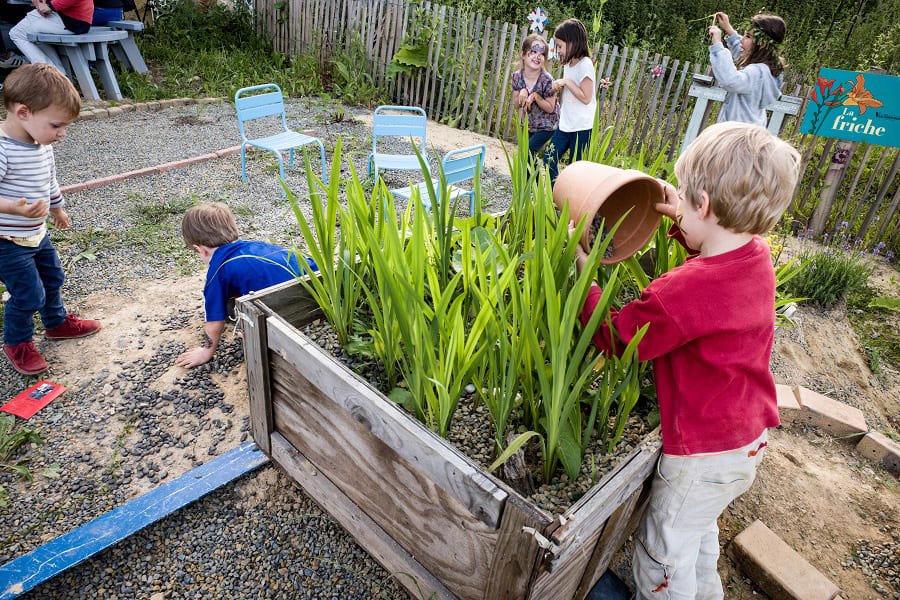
<point>33,399</point>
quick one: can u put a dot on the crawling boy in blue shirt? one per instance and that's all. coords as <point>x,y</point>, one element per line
<point>234,267</point>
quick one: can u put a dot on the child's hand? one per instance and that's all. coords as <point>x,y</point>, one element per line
<point>59,218</point>
<point>669,206</point>
<point>30,211</point>
<point>194,357</point>
<point>724,22</point>
<point>715,35</point>
<point>530,100</point>
<point>522,97</point>
<point>558,84</point>
<point>580,255</point>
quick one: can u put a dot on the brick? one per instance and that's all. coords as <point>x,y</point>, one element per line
<point>881,449</point>
<point>788,405</point>
<point>87,115</point>
<point>228,151</point>
<point>836,418</point>
<point>101,112</point>
<point>777,568</point>
<point>114,110</point>
<point>180,102</point>
<point>127,107</point>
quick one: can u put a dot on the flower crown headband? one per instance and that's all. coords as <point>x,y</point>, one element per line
<point>538,22</point>
<point>762,39</point>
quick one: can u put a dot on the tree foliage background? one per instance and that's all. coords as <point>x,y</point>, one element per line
<point>842,34</point>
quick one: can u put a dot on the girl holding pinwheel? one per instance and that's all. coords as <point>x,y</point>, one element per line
<point>755,82</point>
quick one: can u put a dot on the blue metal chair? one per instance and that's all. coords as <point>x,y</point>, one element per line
<point>266,105</point>
<point>410,123</point>
<point>458,166</point>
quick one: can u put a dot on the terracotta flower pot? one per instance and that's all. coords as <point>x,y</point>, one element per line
<point>601,191</point>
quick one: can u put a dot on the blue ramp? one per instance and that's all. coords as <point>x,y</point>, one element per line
<point>26,572</point>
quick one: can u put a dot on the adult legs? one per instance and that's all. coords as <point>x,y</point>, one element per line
<point>34,22</point>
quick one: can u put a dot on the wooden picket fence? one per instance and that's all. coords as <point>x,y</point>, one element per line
<point>466,83</point>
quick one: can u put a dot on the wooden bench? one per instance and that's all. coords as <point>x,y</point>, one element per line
<point>126,50</point>
<point>80,51</point>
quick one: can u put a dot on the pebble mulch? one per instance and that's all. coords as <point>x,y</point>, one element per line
<point>879,562</point>
<point>120,432</point>
<point>472,433</point>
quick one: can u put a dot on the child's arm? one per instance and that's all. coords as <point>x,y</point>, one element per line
<point>200,355</point>
<point>727,75</point>
<point>547,104</point>
<point>23,209</point>
<point>582,91</point>
<point>59,217</point>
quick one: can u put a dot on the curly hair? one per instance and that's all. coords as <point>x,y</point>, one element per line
<point>768,33</point>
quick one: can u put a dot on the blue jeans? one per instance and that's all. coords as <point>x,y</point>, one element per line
<point>104,15</point>
<point>560,144</point>
<point>33,278</point>
<point>537,140</point>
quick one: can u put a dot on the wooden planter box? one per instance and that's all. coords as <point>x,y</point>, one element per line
<point>415,503</point>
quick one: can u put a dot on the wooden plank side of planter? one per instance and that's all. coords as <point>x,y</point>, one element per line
<point>587,515</point>
<point>616,529</point>
<point>425,520</point>
<point>289,300</point>
<point>373,538</point>
<point>517,551</point>
<point>445,465</point>
<point>257,356</point>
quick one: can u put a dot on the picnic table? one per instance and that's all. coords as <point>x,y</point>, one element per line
<point>83,51</point>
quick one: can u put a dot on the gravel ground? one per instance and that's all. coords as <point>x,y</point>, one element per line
<point>122,431</point>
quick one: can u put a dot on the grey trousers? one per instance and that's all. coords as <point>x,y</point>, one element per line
<point>677,543</point>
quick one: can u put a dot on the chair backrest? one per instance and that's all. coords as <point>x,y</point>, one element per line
<point>260,105</point>
<point>461,165</point>
<point>409,123</point>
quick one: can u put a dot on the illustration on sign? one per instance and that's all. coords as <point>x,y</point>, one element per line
<point>849,105</point>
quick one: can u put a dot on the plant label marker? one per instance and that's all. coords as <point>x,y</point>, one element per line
<point>27,403</point>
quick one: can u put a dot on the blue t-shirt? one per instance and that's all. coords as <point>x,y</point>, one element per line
<point>242,267</point>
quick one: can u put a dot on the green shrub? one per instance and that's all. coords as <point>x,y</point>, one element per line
<point>829,274</point>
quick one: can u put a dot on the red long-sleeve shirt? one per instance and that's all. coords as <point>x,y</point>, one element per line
<point>83,10</point>
<point>712,325</point>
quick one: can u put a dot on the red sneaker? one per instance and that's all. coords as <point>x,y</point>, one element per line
<point>73,327</point>
<point>25,358</point>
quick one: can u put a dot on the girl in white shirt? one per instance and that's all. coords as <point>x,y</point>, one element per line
<point>578,99</point>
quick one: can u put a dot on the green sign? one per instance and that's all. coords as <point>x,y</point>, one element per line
<point>849,105</point>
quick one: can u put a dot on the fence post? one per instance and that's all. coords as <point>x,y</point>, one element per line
<point>833,178</point>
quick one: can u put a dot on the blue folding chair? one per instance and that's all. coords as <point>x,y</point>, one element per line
<point>409,123</point>
<point>458,166</point>
<point>266,105</point>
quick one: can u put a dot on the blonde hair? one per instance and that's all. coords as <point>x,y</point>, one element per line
<point>210,225</point>
<point>748,173</point>
<point>39,86</point>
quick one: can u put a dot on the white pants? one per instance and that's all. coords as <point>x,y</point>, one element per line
<point>34,22</point>
<point>677,544</point>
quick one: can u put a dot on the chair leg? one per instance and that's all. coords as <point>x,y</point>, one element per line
<point>291,159</point>
<point>281,170</point>
<point>243,163</point>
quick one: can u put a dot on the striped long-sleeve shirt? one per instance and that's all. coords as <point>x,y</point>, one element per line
<point>29,171</point>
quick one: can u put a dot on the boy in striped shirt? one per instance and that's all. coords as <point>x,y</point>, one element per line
<point>40,103</point>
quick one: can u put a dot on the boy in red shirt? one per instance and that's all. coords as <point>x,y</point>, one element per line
<point>712,324</point>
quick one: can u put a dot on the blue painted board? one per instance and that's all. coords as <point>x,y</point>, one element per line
<point>28,571</point>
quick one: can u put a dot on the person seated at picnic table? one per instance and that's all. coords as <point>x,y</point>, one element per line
<point>51,16</point>
<point>111,10</point>
<point>12,13</point>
